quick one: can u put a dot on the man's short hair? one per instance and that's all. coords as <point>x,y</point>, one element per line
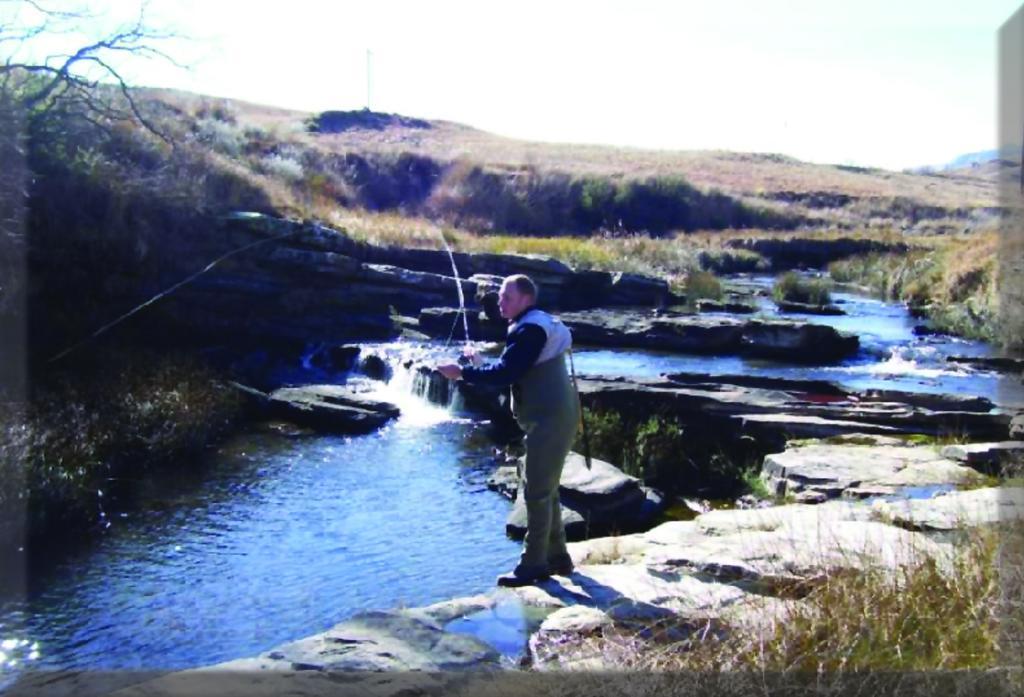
<point>524,284</point>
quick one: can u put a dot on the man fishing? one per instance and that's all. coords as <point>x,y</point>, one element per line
<point>546,406</point>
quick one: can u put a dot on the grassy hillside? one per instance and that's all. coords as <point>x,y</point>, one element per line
<point>453,173</point>
<point>135,211</point>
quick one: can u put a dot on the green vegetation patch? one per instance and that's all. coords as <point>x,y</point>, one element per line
<point>792,287</point>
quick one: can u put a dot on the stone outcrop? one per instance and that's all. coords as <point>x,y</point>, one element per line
<point>861,467</point>
<point>299,282</point>
<point>795,342</point>
<point>798,408</point>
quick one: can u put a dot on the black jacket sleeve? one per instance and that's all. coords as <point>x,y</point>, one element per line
<point>522,348</point>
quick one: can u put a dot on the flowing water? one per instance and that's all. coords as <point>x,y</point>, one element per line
<point>274,538</point>
<point>891,357</point>
<point>277,536</point>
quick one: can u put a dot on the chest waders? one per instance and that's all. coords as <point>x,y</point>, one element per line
<point>547,407</point>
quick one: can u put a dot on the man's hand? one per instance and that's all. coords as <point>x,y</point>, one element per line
<point>474,357</point>
<point>452,371</point>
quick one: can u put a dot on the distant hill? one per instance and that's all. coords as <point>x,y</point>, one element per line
<point>1010,153</point>
<point>454,173</point>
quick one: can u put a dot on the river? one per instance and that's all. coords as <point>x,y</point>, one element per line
<point>278,535</point>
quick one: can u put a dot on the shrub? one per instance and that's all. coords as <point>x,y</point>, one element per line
<point>650,450</point>
<point>702,284</point>
<point>223,136</point>
<point>659,447</point>
<point>283,167</point>
<point>791,287</point>
<point>87,431</point>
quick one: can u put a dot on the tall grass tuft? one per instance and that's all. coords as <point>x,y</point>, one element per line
<point>946,614</point>
<point>791,287</point>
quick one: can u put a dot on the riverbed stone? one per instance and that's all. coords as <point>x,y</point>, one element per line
<point>808,308</point>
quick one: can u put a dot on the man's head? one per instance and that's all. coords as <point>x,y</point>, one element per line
<point>517,293</point>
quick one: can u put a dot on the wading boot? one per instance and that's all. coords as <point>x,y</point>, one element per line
<point>561,565</point>
<point>524,576</point>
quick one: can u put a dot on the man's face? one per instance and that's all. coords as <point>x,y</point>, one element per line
<point>510,301</point>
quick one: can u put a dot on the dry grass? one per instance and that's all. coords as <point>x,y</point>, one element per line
<point>953,280</point>
<point>634,253</point>
<point>877,197</point>
<point>928,616</point>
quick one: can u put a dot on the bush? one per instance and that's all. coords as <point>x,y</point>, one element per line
<point>791,287</point>
<point>88,430</point>
<point>283,167</point>
<point>223,136</point>
<point>659,447</point>
<point>702,284</point>
<point>651,450</point>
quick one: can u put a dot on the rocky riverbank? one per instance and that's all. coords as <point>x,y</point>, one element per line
<point>313,284</point>
<point>724,571</point>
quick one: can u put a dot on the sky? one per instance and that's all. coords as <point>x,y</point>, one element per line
<point>870,83</point>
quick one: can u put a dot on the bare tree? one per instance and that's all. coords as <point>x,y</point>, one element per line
<point>39,85</point>
<point>73,79</point>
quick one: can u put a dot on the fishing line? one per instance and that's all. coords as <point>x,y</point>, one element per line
<point>170,290</point>
<point>458,287</point>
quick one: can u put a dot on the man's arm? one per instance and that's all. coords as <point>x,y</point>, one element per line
<point>521,352</point>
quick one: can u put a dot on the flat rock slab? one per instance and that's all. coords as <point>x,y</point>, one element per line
<point>725,522</point>
<point>832,469</point>
<point>384,641</point>
<point>624,591</point>
<point>776,559</point>
<point>792,341</point>
<point>778,409</point>
<point>955,509</point>
<point>975,454</point>
<point>331,408</point>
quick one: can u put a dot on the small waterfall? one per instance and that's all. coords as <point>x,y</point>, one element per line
<point>424,396</point>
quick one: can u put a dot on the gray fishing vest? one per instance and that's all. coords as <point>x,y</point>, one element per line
<point>559,339</point>
<point>545,393</point>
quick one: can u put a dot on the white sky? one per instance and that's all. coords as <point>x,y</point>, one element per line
<point>867,82</point>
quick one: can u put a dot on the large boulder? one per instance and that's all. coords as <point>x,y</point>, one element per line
<point>594,500</point>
